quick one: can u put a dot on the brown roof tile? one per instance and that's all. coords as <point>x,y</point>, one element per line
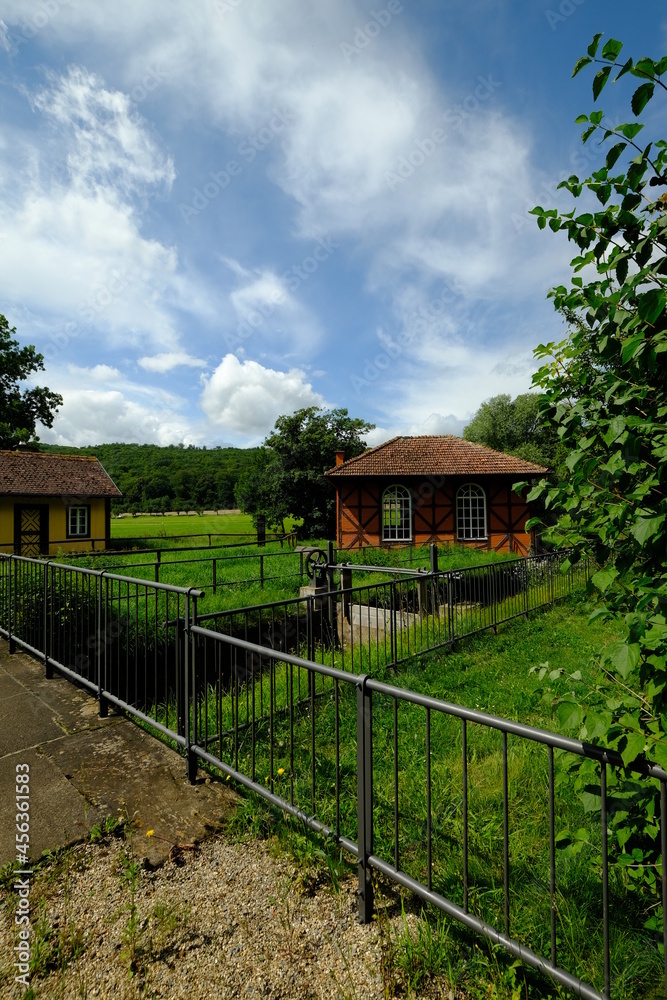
<point>33,473</point>
<point>442,455</point>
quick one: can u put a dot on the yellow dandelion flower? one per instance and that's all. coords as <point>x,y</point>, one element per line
<point>149,833</point>
<point>281,770</point>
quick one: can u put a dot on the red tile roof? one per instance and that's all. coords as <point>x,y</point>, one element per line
<point>442,455</point>
<point>34,473</point>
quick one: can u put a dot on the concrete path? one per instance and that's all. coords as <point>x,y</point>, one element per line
<point>83,768</point>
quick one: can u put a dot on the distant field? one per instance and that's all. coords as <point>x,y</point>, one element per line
<point>163,527</point>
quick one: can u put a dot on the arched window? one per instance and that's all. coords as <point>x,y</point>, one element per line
<point>470,513</point>
<point>396,514</point>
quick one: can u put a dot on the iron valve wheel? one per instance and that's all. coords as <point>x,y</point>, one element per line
<point>316,562</point>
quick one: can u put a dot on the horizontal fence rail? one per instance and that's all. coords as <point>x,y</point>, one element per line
<point>281,698</point>
<point>360,628</point>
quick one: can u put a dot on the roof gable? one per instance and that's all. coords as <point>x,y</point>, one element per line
<point>433,455</point>
<point>34,473</point>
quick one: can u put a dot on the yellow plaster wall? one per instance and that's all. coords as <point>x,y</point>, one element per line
<point>57,523</point>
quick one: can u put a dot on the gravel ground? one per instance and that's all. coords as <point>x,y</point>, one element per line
<point>228,919</point>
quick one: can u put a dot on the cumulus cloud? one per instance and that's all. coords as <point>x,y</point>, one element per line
<point>79,228</point>
<point>174,359</point>
<point>91,416</point>
<point>245,399</point>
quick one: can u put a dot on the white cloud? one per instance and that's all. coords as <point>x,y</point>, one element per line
<point>245,399</point>
<point>91,416</point>
<point>111,143</point>
<point>165,362</point>
<point>98,373</point>
<point>266,311</point>
<point>79,229</point>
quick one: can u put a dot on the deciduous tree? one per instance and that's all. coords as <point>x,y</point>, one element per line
<point>289,479</point>
<point>20,409</point>
<point>606,387</point>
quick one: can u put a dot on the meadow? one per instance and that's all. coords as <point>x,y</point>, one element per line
<point>244,574</point>
<point>300,758</point>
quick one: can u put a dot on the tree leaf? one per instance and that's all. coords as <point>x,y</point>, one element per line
<point>647,527</point>
<point>593,47</point>
<point>622,270</point>
<point>604,578</point>
<point>628,351</point>
<point>612,49</point>
<point>641,97</point>
<point>624,657</point>
<point>599,81</point>
<point>580,63</point>
<point>651,304</point>
<point>614,153</point>
<point>634,745</point>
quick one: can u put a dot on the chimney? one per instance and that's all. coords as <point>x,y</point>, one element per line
<point>340,457</point>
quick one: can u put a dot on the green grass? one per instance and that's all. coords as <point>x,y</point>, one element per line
<point>491,673</point>
<point>161,526</point>
<point>238,567</point>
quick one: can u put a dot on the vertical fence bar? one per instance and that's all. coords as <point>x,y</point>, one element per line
<point>506,844</point>
<point>605,876</point>
<point>364,798</point>
<point>396,858</point>
<point>428,800</point>
<point>48,669</point>
<point>188,699</point>
<point>11,624</point>
<point>465,815</point>
<point>663,851</point>
<point>552,855</point>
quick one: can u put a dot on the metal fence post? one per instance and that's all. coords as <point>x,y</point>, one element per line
<point>190,699</point>
<point>11,616</point>
<point>102,584</point>
<point>48,669</point>
<point>331,562</point>
<point>261,571</point>
<point>364,798</point>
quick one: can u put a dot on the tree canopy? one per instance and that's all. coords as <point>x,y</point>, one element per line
<point>517,427</point>
<point>288,477</point>
<point>21,409</point>
<point>606,388</point>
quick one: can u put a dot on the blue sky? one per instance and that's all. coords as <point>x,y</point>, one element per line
<point>216,212</point>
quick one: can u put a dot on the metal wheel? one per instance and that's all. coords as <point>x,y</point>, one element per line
<point>316,563</point>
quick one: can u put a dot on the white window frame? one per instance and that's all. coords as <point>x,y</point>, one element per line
<point>471,523</point>
<point>396,514</point>
<point>78,522</point>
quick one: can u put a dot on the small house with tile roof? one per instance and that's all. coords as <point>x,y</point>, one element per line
<point>417,490</point>
<point>53,502</point>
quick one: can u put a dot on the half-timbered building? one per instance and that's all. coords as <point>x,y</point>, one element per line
<point>417,490</point>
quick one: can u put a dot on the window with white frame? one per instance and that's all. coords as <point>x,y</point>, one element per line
<point>396,514</point>
<point>470,513</point>
<point>78,521</point>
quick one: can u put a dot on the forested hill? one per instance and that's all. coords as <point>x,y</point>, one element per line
<point>152,478</point>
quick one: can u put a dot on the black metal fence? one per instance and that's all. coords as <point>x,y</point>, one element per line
<point>360,628</point>
<point>356,759</point>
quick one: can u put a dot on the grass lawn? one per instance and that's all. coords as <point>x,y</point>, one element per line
<point>491,673</point>
<point>238,569</point>
<point>164,527</point>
